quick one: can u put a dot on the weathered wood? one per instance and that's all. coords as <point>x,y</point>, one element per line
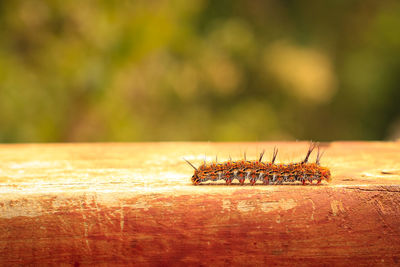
<point>88,204</point>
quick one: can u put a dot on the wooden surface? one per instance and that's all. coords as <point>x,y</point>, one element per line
<point>118,204</point>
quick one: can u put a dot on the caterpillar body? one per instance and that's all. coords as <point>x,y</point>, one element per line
<point>266,172</point>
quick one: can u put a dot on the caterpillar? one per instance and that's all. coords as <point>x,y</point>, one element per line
<point>266,172</point>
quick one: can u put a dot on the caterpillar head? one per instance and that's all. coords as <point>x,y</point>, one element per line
<point>325,174</point>
<point>204,171</point>
<point>195,177</point>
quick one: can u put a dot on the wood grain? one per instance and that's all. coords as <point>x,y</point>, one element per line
<point>119,204</point>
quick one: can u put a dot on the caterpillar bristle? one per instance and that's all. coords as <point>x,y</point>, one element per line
<point>319,155</point>
<point>261,155</point>
<point>190,164</point>
<point>310,150</point>
<point>275,153</point>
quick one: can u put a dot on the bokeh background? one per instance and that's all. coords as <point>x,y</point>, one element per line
<point>199,70</point>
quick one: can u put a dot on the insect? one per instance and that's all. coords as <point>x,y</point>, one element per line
<point>266,172</point>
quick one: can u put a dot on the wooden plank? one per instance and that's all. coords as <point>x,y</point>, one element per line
<point>120,203</point>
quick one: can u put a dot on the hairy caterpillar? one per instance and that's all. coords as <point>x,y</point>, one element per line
<point>268,173</point>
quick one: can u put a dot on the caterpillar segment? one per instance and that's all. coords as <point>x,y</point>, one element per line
<point>265,172</point>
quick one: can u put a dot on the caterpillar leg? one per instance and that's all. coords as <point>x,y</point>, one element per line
<point>304,182</point>
<point>253,179</point>
<point>241,178</point>
<point>266,182</point>
<point>319,181</point>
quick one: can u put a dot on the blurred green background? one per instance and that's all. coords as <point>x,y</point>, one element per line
<point>199,70</point>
